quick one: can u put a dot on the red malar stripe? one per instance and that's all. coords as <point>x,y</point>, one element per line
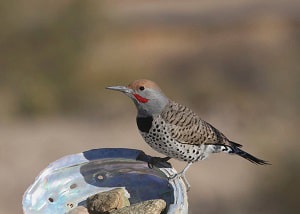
<point>140,99</point>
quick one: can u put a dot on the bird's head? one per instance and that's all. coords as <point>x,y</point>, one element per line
<point>146,95</point>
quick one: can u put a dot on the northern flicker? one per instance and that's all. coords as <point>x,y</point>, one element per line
<point>174,130</point>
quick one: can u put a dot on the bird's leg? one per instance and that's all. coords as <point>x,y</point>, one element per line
<point>182,175</point>
<point>154,160</point>
<point>187,184</point>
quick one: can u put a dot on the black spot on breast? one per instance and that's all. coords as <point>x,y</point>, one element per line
<point>144,123</point>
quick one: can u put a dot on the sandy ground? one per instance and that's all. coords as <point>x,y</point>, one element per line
<point>28,147</point>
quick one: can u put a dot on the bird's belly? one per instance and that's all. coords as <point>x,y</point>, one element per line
<point>163,143</point>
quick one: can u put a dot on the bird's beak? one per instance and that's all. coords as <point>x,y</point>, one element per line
<point>123,89</point>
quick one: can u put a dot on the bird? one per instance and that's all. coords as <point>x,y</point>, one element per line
<point>175,130</point>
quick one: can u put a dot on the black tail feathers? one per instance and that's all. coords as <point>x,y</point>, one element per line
<point>234,144</point>
<point>249,157</point>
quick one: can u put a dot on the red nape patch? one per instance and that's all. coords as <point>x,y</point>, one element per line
<point>140,99</point>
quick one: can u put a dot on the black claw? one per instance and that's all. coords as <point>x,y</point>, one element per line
<point>150,165</point>
<point>157,160</point>
<point>154,161</point>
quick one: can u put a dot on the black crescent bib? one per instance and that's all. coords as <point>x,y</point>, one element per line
<point>144,123</point>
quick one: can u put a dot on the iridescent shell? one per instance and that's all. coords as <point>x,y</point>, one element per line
<point>69,181</point>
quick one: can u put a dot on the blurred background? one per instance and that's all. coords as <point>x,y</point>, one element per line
<point>236,63</point>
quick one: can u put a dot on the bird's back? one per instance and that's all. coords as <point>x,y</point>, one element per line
<point>188,128</point>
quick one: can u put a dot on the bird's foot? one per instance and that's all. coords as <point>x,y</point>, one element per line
<point>155,160</point>
<point>182,176</point>
<point>184,179</point>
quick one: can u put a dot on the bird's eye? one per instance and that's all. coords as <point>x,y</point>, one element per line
<point>142,88</point>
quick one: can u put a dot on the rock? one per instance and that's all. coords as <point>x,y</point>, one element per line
<point>107,201</point>
<point>146,207</point>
